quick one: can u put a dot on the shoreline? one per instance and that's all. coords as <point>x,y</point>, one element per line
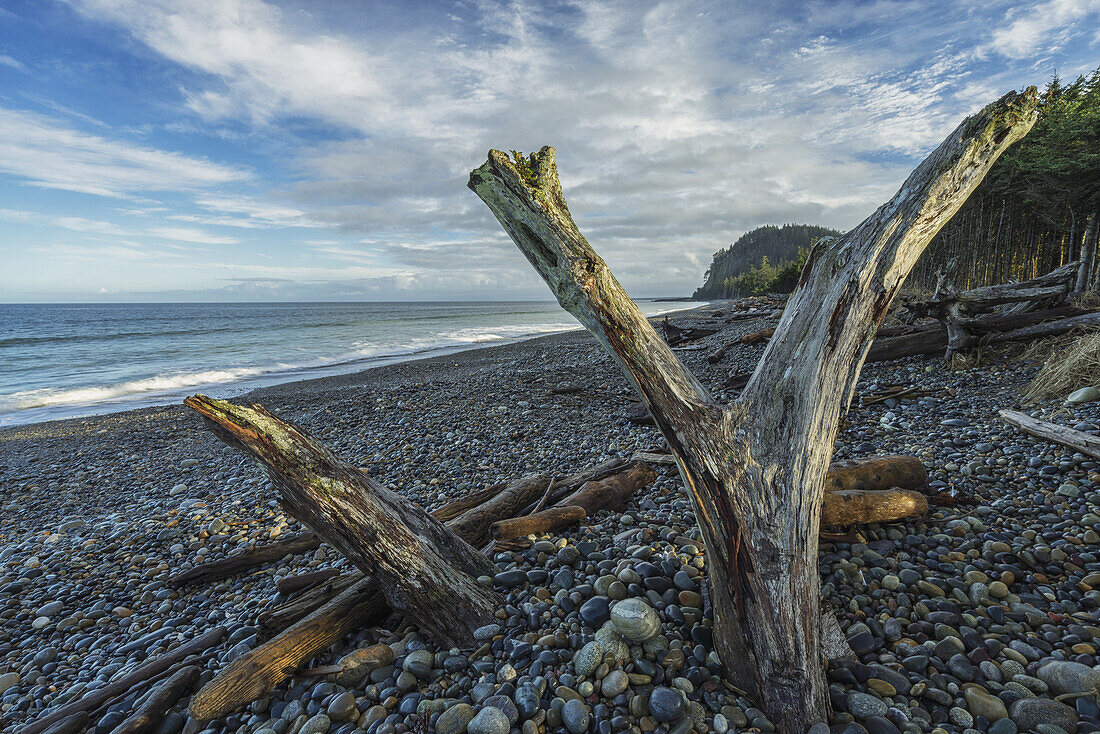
<point>240,389</point>
<point>97,513</point>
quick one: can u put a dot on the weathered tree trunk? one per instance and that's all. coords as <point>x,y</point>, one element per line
<point>1088,254</point>
<point>426,572</point>
<point>877,472</point>
<point>755,469</point>
<point>1086,443</point>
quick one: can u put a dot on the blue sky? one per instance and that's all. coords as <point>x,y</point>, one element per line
<point>249,150</point>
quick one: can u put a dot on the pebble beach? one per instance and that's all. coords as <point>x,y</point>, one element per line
<point>982,617</point>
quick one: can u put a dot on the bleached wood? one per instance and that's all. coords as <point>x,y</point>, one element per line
<point>755,470</point>
<point>1086,443</point>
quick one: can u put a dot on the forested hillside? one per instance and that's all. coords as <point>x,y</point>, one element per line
<point>757,255</point>
<point>1037,208</point>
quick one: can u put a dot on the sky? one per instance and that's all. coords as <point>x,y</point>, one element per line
<point>229,150</point>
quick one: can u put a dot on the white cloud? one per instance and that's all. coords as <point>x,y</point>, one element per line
<point>45,153</point>
<point>6,60</point>
<point>187,234</point>
<point>678,124</point>
<point>1043,27</point>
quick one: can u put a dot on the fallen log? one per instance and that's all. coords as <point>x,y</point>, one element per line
<point>474,524</point>
<point>256,556</point>
<point>877,472</point>
<point>571,482</point>
<point>456,508</point>
<point>540,522</point>
<point>611,492</point>
<point>1086,443</point>
<point>758,336</point>
<point>862,506</point>
<point>426,572</point>
<point>257,672</point>
<point>160,699</point>
<point>112,690</point>
<point>292,584</point>
<point>1048,328</point>
<point>70,724</point>
<point>275,620</point>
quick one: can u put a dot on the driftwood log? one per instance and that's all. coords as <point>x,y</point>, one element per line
<point>426,572</point>
<point>540,522</point>
<point>755,469</point>
<point>876,472</point>
<point>358,601</point>
<point>863,506</point>
<point>256,556</point>
<point>256,673</point>
<point>1086,443</point>
<point>141,674</point>
<point>160,699</point>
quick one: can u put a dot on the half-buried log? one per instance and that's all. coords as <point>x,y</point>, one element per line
<point>425,571</point>
<point>540,522</point>
<point>293,584</point>
<point>877,472</point>
<point>860,507</point>
<point>160,699</point>
<point>1086,443</point>
<point>256,556</point>
<point>257,672</point>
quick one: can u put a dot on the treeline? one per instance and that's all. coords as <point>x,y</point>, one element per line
<point>1039,206</point>
<point>761,261</point>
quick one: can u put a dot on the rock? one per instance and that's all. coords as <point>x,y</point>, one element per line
<point>864,705</point>
<point>8,680</point>
<point>614,683</point>
<point>455,719</point>
<point>575,716</point>
<point>1029,712</point>
<point>595,611</point>
<point>490,720</point>
<point>1084,395</point>
<point>358,663</point>
<point>666,704</point>
<point>981,703</point>
<point>343,707</point>
<point>419,663</point>
<point>317,724</point>
<point>178,489</point>
<point>1063,676</point>
<point>588,658</point>
<point>486,633</point>
<point>635,620</point>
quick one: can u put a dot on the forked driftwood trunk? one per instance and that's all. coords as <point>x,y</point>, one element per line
<point>755,469</point>
<point>426,572</point>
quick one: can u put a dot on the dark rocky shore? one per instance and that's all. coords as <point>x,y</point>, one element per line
<point>981,618</point>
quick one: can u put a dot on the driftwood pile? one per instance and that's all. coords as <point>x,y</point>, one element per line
<point>317,609</point>
<point>954,322</point>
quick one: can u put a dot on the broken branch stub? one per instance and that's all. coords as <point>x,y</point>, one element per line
<point>425,571</point>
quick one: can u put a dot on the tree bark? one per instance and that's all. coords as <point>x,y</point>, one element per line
<point>540,522</point>
<point>1088,254</point>
<point>877,472</point>
<point>426,572</point>
<point>1086,443</point>
<point>755,470</point>
<point>257,556</point>
<point>257,672</point>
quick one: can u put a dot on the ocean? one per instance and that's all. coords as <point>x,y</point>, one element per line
<point>68,360</point>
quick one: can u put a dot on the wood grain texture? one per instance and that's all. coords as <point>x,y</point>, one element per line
<point>755,469</point>
<point>251,558</point>
<point>1086,443</point>
<point>426,572</point>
